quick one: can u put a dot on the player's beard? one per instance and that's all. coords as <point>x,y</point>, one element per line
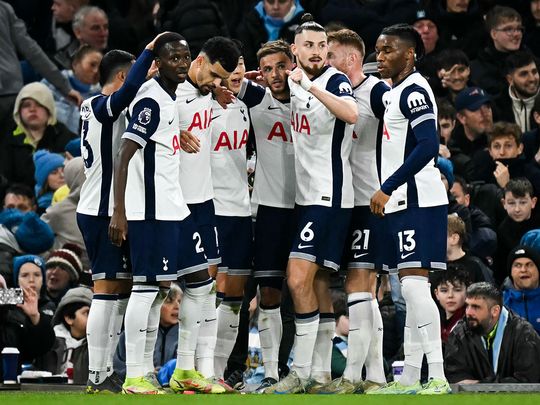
<point>312,71</point>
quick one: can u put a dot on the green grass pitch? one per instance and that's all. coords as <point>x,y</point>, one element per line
<point>26,398</point>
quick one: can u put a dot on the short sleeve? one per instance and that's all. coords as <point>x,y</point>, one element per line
<point>340,86</point>
<point>144,121</point>
<point>416,105</point>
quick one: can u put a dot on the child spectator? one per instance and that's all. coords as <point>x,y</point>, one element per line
<point>64,268</point>
<point>521,292</point>
<point>457,258</point>
<point>450,293</point>
<point>84,77</point>
<point>49,177</point>
<point>27,326</point>
<point>519,202</point>
<point>70,350</point>
<point>37,128</point>
<point>503,161</point>
<point>453,71</point>
<point>447,123</point>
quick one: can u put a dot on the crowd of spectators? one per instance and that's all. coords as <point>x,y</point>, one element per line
<point>481,61</point>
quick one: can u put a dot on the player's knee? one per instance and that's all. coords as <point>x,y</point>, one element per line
<point>298,285</point>
<point>270,297</point>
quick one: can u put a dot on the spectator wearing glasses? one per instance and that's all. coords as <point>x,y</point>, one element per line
<point>504,25</point>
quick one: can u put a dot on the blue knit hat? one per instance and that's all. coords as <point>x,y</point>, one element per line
<point>20,260</point>
<point>447,169</point>
<point>74,147</point>
<point>45,162</point>
<point>33,235</point>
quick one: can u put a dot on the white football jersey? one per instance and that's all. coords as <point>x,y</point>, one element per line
<point>322,144</point>
<point>153,186</point>
<point>100,138</point>
<point>195,114</point>
<point>367,133</point>
<point>230,132</point>
<point>409,104</point>
<point>275,183</point>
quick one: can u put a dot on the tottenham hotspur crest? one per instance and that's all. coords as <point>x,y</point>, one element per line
<point>165,261</point>
<point>145,116</point>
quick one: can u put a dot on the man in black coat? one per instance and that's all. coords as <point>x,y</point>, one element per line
<point>492,344</point>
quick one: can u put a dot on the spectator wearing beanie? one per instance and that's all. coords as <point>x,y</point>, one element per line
<point>70,349</point>
<point>29,272</point>
<point>28,326</point>
<point>64,268</point>
<point>36,128</point>
<point>521,291</point>
<point>49,175</point>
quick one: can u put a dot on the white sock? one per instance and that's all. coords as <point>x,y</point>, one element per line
<point>416,292</point>
<point>228,316</point>
<point>136,324</point>
<point>206,343</point>
<point>360,333</point>
<point>412,349</point>
<point>153,329</point>
<point>307,326</point>
<point>97,335</point>
<point>374,359</point>
<point>321,363</point>
<point>115,328</point>
<point>190,316</point>
<point>270,331</point>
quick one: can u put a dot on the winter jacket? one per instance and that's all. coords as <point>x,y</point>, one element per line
<point>531,143</point>
<point>488,71</point>
<point>525,303</point>
<point>16,330</point>
<point>253,33</point>
<point>18,167</point>
<point>509,108</point>
<point>464,31</point>
<point>196,20</point>
<point>67,352</point>
<point>517,345</point>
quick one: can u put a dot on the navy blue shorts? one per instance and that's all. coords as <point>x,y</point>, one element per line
<point>204,216</point>
<point>235,236</point>
<point>191,251</point>
<point>109,262</point>
<point>419,238</point>
<point>367,241</point>
<point>321,234</point>
<point>274,233</point>
<point>154,250</point>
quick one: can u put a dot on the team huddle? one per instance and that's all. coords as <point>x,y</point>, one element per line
<point>345,181</point>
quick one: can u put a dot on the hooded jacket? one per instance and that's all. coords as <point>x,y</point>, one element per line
<point>517,345</point>
<point>510,108</point>
<point>18,166</point>
<point>526,303</point>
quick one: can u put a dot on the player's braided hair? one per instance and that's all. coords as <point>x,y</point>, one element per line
<point>407,33</point>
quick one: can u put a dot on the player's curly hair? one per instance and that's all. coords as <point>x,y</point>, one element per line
<point>407,33</point>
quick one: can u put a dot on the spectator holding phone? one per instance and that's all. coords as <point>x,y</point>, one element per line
<point>27,326</point>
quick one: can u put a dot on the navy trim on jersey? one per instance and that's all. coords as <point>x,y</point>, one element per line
<point>106,167</point>
<point>375,99</point>
<point>339,85</point>
<point>337,163</point>
<point>252,95</point>
<point>172,96</point>
<point>144,121</point>
<point>149,181</point>
<point>422,130</point>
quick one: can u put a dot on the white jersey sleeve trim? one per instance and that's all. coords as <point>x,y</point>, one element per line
<point>109,109</point>
<point>135,138</point>
<point>421,119</point>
